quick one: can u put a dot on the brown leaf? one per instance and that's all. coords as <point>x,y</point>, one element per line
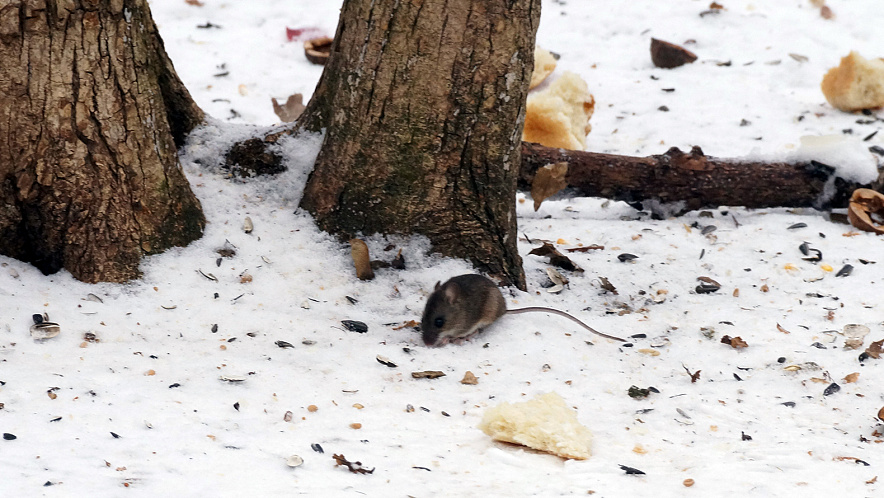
<point>354,467</point>
<point>851,378</point>
<point>709,281</point>
<point>669,55</point>
<point>781,329</point>
<point>694,376</point>
<point>555,257</point>
<point>735,342</point>
<point>359,253</point>
<point>608,286</point>
<point>863,204</point>
<point>293,108</point>
<point>548,181</point>
<point>195,3</point>
<point>469,378</point>
<point>875,349</point>
<point>410,323</point>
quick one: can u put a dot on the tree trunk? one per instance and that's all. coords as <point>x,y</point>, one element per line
<point>90,112</point>
<point>693,179</point>
<point>423,103</point>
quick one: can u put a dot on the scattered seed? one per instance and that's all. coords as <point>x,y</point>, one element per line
<point>209,276</point>
<point>288,416</point>
<point>115,435</point>
<point>631,470</point>
<point>317,448</point>
<point>355,326</point>
<point>236,406</point>
<point>708,229</point>
<point>284,344</point>
<point>294,461</point>
<point>845,271</point>
<point>9,437</point>
<point>625,257</point>
<point>832,389</point>
<point>247,225</point>
<point>383,360</point>
<point>745,437</point>
<point>214,328</point>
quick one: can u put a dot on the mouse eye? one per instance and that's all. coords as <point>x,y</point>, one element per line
<point>439,322</point>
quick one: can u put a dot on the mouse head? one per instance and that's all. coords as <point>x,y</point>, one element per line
<point>440,320</point>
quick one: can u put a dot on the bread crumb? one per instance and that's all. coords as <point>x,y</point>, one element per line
<point>856,84</point>
<point>559,115</point>
<point>544,65</point>
<point>544,423</point>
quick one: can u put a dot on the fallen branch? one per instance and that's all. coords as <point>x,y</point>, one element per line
<point>697,180</point>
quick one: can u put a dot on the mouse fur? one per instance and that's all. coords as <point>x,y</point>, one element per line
<point>460,307</point>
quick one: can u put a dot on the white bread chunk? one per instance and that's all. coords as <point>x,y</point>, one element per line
<point>544,423</point>
<point>544,65</point>
<point>558,116</point>
<point>856,84</point>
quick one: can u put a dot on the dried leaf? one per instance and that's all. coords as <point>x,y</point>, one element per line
<point>607,285</point>
<point>875,349</point>
<point>195,3</point>
<point>408,324</point>
<point>734,342</point>
<point>354,467</point>
<point>669,55</point>
<point>428,374</point>
<point>548,181</point>
<point>469,379</point>
<point>359,253</point>
<point>694,376</point>
<point>851,378</point>
<point>292,108</point>
<point>863,204</point>
<point>555,257</point>
<point>302,33</point>
<point>781,329</point>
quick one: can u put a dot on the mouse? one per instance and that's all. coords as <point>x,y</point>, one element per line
<point>466,304</point>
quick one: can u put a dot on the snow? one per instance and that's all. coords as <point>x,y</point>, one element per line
<point>154,377</point>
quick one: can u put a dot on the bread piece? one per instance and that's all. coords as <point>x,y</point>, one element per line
<point>856,84</point>
<point>544,65</point>
<point>559,115</point>
<point>544,423</point>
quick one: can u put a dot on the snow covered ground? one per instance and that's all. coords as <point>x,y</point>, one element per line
<point>144,407</point>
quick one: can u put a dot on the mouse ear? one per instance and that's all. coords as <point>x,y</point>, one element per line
<point>438,284</point>
<point>451,292</point>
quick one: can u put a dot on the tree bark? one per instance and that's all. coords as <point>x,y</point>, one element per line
<point>90,112</point>
<point>697,180</point>
<point>423,105</point>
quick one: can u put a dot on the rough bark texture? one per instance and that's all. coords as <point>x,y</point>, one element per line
<point>697,180</point>
<point>423,106</point>
<point>90,110</point>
